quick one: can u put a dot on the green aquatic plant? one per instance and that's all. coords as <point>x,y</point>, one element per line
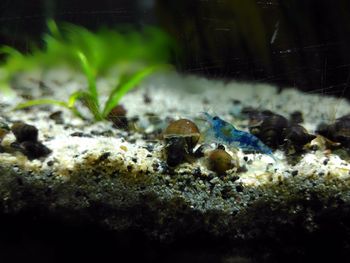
<point>90,97</point>
<point>133,55</point>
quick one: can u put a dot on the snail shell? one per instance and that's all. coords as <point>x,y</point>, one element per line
<point>176,151</point>
<point>255,116</point>
<point>339,131</point>
<point>183,128</point>
<point>32,150</point>
<point>221,161</point>
<point>27,141</point>
<point>24,132</point>
<point>180,138</point>
<point>270,129</point>
<point>296,136</point>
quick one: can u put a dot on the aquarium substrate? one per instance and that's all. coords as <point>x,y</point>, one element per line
<point>119,178</point>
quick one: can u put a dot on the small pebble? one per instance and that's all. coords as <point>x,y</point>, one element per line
<point>155,166</point>
<point>150,147</point>
<point>294,173</point>
<point>234,178</point>
<point>104,156</point>
<point>242,169</point>
<point>129,168</point>
<point>215,180</point>
<point>124,148</point>
<point>197,172</point>
<point>239,188</point>
<point>80,134</point>
<point>118,117</point>
<point>147,99</point>
<point>199,152</point>
<point>221,147</point>
<point>57,117</point>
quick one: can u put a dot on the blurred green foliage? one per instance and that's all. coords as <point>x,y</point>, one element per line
<point>103,49</point>
<point>134,54</point>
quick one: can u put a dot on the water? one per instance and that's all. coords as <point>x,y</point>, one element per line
<point>106,189</point>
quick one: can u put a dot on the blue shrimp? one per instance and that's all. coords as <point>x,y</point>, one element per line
<point>226,133</point>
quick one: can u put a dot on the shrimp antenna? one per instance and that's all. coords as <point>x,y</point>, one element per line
<point>204,113</point>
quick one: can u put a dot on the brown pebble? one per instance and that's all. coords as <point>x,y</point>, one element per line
<point>57,117</point>
<point>147,99</point>
<point>118,117</point>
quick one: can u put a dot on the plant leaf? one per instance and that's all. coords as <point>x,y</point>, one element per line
<point>91,97</point>
<point>76,96</point>
<point>90,75</point>
<point>53,29</point>
<point>87,101</point>
<point>126,84</point>
<point>10,51</point>
<point>41,102</point>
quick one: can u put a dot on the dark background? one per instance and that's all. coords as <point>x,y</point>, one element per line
<point>218,38</point>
